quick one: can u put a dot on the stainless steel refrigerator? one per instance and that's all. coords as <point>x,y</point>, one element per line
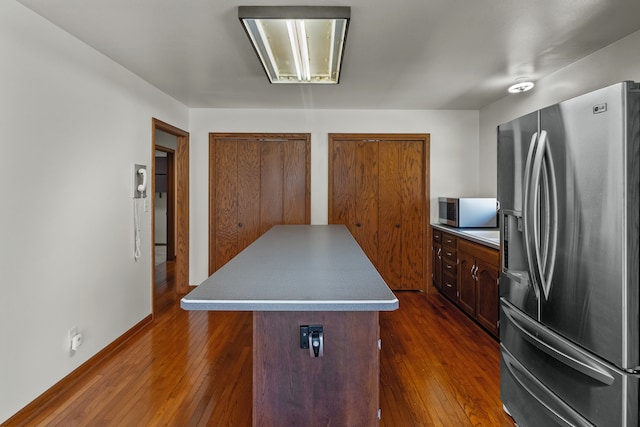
<point>569,198</point>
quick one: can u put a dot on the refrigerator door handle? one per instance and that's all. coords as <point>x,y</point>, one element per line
<point>528,215</point>
<point>550,228</point>
<point>540,225</point>
<point>556,347</point>
<point>542,393</point>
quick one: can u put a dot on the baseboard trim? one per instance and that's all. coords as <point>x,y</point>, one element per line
<point>26,414</point>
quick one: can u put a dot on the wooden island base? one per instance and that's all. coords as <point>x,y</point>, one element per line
<point>298,275</point>
<point>291,388</point>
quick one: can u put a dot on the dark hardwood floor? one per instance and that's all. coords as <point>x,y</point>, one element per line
<point>438,368</point>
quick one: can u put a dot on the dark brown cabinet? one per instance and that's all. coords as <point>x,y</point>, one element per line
<point>377,189</point>
<point>449,266</point>
<point>467,273</point>
<point>436,261</point>
<point>487,301</point>
<point>467,280</point>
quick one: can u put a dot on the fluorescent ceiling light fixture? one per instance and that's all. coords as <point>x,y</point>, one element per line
<point>298,44</point>
<point>520,87</point>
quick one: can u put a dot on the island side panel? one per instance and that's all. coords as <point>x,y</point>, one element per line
<point>292,388</point>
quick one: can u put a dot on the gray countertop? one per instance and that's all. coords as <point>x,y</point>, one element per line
<point>489,237</point>
<point>296,268</point>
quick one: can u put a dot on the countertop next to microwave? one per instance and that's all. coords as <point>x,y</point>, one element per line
<point>489,237</point>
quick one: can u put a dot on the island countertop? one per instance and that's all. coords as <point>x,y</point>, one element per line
<point>296,268</point>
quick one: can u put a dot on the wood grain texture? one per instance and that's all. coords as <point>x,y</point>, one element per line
<point>248,193</point>
<point>479,291</point>
<point>292,388</point>
<point>437,368</point>
<point>414,218</point>
<point>367,198</point>
<point>390,253</point>
<point>271,184</point>
<point>378,188</point>
<point>466,281</point>
<point>295,192</point>
<point>226,202</point>
<point>342,189</point>
<point>255,181</point>
<point>182,202</point>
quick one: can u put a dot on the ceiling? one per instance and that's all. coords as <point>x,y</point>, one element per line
<point>405,54</point>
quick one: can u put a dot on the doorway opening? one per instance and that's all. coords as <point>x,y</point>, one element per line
<point>170,221</point>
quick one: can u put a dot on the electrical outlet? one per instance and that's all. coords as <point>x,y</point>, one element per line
<point>73,333</point>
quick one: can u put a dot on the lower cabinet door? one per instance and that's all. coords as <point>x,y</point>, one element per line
<point>467,282</point>
<point>487,311</point>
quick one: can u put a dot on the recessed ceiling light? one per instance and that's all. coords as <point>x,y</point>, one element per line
<point>521,87</point>
<point>298,44</point>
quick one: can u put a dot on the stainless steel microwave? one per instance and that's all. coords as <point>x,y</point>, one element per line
<point>468,212</point>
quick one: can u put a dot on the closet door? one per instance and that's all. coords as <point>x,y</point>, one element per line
<point>377,187</point>
<point>255,182</point>
<point>354,193</point>
<point>414,218</point>
<point>402,219</point>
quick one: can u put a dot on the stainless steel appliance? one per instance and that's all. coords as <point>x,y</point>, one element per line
<point>471,212</point>
<point>569,197</point>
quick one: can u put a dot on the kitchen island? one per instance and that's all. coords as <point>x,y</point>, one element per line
<point>315,298</point>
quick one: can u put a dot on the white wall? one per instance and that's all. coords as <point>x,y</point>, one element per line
<point>72,125</point>
<point>616,62</point>
<point>454,153</point>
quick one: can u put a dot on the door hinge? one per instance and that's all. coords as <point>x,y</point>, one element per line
<point>379,413</point>
<point>379,344</point>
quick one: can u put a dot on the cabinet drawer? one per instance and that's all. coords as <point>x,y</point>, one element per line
<point>449,240</point>
<point>450,286</point>
<point>449,254</point>
<point>449,267</point>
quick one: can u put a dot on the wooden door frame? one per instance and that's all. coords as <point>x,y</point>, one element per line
<point>181,203</point>
<point>380,137</point>
<point>213,136</point>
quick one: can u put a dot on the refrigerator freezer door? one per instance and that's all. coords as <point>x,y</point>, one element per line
<point>539,367</point>
<point>592,297</point>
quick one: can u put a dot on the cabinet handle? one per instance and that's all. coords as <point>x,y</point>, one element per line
<point>439,253</point>
<point>358,224</point>
<point>240,224</point>
<point>397,225</point>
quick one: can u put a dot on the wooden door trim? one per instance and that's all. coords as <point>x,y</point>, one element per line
<point>381,137</point>
<point>250,136</point>
<point>181,201</point>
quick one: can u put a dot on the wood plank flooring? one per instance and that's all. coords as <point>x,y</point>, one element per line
<point>438,368</point>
